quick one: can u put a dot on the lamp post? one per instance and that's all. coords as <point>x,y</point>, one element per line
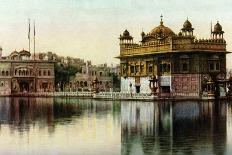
<point>95,85</point>
<point>210,88</point>
<point>153,85</point>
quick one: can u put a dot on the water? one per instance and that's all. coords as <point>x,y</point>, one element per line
<point>89,127</point>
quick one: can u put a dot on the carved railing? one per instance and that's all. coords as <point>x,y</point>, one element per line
<point>144,49</point>
<point>153,47</point>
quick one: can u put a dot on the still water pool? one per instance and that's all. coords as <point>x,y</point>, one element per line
<point>90,127</point>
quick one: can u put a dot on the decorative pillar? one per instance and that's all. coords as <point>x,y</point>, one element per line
<point>153,85</point>
<point>210,88</point>
<point>95,85</point>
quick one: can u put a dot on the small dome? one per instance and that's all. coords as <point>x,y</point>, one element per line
<point>14,55</point>
<point>14,52</point>
<point>126,35</point>
<point>24,53</point>
<point>187,26</point>
<point>218,28</point>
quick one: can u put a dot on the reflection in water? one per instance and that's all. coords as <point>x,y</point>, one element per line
<point>59,126</point>
<point>173,128</point>
<point>82,126</point>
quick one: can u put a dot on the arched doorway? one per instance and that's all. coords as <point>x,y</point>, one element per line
<point>24,86</point>
<point>44,86</point>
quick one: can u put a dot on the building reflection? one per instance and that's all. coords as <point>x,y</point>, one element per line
<point>22,113</point>
<point>173,128</point>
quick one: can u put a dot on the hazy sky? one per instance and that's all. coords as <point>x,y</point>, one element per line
<point>90,29</point>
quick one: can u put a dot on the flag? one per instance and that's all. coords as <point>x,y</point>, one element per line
<point>29,29</point>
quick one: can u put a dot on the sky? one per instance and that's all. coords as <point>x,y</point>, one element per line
<point>89,29</point>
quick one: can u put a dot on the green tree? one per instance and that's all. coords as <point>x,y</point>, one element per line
<point>63,73</point>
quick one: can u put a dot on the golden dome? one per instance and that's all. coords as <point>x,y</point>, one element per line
<point>162,31</point>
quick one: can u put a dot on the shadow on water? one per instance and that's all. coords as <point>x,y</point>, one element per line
<point>188,127</point>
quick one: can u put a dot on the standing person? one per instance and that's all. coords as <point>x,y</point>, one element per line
<point>130,89</point>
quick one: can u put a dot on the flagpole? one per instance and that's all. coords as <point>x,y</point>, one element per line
<point>34,39</point>
<point>29,27</point>
<point>211,29</point>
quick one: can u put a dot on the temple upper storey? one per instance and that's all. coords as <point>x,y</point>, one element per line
<point>162,39</point>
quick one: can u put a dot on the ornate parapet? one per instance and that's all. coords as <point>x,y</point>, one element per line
<point>201,44</point>
<point>147,48</point>
<point>173,44</point>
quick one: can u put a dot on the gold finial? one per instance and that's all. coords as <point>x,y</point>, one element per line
<point>161,20</point>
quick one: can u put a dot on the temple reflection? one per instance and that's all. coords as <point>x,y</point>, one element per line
<point>173,128</point>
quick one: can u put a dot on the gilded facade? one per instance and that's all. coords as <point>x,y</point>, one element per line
<point>181,62</point>
<point>21,74</point>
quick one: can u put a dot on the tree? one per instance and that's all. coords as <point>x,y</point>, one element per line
<point>63,73</point>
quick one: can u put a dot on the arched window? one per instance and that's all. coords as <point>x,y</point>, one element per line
<point>77,83</point>
<point>7,73</point>
<point>214,63</point>
<point>26,72</point>
<point>85,83</point>
<point>81,83</point>
<point>132,69</point>
<point>150,68</point>
<point>184,63</point>
<point>3,73</point>
<point>2,83</point>
<point>49,73</point>
<point>44,73</point>
<point>39,72</point>
<point>19,72</point>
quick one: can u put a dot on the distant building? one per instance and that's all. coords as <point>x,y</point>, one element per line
<point>83,81</point>
<point>181,62</point>
<point>19,73</point>
<point>60,59</point>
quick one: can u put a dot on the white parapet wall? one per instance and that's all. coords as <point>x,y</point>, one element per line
<point>144,88</point>
<point>126,82</point>
<point>165,81</point>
